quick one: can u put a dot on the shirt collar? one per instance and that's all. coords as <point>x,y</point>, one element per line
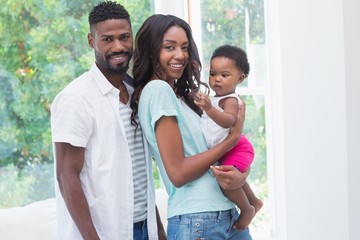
<point>104,85</point>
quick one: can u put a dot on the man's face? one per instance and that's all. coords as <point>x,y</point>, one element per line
<point>113,45</point>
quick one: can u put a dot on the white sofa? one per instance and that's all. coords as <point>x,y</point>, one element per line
<point>37,221</point>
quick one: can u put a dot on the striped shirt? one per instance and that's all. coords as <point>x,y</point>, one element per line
<point>136,146</point>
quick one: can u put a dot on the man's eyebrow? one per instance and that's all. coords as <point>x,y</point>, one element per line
<point>105,35</point>
<point>110,36</point>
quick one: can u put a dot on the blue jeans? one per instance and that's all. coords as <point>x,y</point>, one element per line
<point>207,225</point>
<point>140,231</point>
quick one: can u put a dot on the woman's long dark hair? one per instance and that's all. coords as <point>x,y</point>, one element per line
<point>148,43</point>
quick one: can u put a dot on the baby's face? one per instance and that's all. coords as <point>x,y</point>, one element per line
<point>224,76</point>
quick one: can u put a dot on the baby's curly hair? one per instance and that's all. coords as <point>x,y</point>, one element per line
<point>105,11</point>
<point>237,54</point>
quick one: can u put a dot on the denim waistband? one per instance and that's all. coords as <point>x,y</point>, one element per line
<point>206,215</point>
<point>140,225</point>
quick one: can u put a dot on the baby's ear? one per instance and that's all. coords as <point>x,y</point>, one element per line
<point>242,77</point>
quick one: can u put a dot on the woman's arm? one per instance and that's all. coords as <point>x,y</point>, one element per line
<point>181,169</point>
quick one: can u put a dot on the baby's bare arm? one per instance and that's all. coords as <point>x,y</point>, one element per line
<point>226,118</point>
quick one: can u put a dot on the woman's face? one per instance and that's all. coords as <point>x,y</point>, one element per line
<point>174,54</point>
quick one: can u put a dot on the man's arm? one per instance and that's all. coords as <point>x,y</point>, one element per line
<point>160,226</point>
<point>69,162</point>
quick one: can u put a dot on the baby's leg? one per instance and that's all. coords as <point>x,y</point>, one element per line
<point>254,201</point>
<point>238,196</point>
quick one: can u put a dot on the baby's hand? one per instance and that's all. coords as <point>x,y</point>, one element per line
<point>203,101</point>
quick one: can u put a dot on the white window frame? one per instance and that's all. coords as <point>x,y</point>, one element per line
<point>190,12</point>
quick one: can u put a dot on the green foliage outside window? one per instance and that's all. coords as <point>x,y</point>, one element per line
<point>43,47</point>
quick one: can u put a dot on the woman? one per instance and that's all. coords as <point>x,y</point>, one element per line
<point>166,72</point>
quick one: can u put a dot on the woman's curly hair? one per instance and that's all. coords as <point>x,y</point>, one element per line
<point>148,43</point>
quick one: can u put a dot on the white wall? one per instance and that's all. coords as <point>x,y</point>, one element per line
<point>314,79</point>
<point>352,70</point>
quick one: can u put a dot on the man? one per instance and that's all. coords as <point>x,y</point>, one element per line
<point>103,168</point>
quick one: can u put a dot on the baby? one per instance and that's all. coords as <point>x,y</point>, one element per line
<point>228,67</point>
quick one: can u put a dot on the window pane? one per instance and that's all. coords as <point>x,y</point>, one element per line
<point>43,47</point>
<point>254,129</point>
<point>241,23</point>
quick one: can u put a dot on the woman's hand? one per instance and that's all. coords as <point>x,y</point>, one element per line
<point>229,177</point>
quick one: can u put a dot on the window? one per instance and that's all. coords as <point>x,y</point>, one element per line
<point>43,47</point>
<point>241,23</point>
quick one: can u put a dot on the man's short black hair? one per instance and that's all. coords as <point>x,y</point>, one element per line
<point>107,10</point>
